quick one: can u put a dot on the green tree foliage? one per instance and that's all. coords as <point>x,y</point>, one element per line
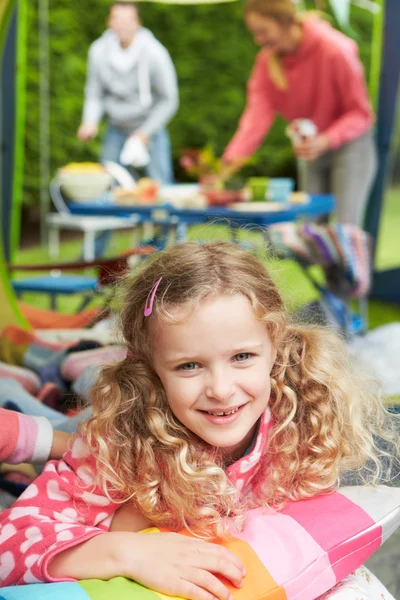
<point>213,54</point>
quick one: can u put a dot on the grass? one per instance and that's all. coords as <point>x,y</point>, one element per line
<point>295,287</point>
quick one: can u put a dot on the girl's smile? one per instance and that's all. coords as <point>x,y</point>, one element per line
<point>219,417</point>
<point>214,364</point>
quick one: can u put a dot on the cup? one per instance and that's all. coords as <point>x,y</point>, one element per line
<point>280,188</point>
<point>258,187</point>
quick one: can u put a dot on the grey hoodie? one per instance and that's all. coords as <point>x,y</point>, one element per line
<point>140,94</point>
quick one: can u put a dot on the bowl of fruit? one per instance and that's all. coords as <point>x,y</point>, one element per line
<point>83,182</point>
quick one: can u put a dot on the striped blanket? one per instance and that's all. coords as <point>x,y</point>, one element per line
<point>344,246</point>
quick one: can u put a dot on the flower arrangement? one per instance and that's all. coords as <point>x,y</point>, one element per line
<point>200,163</point>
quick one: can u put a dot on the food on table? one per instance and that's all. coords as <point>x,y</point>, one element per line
<point>225,197</point>
<point>145,192</point>
<point>196,201</point>
<point>254,207</point>
<point>82,167</point>
<point>299,198</point>
<point>85,181</point>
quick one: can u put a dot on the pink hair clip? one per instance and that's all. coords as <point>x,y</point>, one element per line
<point>148,307</point>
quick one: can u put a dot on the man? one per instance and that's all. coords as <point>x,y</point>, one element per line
<point>131,80</point>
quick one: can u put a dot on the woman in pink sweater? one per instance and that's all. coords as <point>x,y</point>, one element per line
<point>308,70</point>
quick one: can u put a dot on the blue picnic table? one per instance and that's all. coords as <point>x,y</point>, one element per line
<point>178,220</point>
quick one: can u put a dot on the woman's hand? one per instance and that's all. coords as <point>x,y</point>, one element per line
<point>312,148</point>
<point>231,167</point>
<point>178,565</point>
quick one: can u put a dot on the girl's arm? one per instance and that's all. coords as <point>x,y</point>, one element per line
<point>61,509</point>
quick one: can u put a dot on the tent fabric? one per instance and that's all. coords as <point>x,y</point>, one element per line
<point>7,138</point>
<point>10,313</point>
<point>386,284</point>
<point>39,318</point>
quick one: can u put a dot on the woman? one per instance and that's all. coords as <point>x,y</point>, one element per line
<point>308,70</point>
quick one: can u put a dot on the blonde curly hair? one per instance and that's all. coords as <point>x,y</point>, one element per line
<point>326,422</point>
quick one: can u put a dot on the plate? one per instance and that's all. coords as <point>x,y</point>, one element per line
<point>258,206</point>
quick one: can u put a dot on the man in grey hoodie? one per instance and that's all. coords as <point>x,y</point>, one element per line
<point>131,80</point>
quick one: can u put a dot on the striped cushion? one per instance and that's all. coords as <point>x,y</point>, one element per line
<point>297,554</point>
<point>27,378</point>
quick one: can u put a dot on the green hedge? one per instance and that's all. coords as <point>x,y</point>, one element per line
<point>213,54</point>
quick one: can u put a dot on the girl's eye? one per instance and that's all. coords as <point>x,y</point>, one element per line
<point>188,366</point>
<point>242,356</point>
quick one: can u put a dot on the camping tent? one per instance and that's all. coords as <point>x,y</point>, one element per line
<point>386,284</point>
<point>11,135</point>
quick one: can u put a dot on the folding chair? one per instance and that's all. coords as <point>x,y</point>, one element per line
<point>89,226</point>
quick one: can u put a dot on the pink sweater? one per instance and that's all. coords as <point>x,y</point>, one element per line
<point>62,509</point>
<point>325,84</point>
<point>24,438</point>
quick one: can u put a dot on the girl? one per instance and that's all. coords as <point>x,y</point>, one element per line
<point>308,70</point>
<point>220,405</point>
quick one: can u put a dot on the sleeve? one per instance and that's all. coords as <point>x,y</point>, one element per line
<point>60,510</point>
<point>164,86</point>
<point>257,117</point>
<point>24,438</point>
<point>357,117</point>
<point>93,106</point>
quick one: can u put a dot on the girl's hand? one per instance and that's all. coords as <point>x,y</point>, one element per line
<point>178,565</point>
<point>312,148</point>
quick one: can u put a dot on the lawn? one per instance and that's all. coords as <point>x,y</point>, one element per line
<point>295,287</point>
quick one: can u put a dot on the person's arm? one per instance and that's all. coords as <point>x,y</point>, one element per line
<point>164,87</point>
<point>59,445</point>
<point>257,117</point>
<point>27,439</point>
<point>93,103</point>
<point>357,116</point>
<point>63,507</point>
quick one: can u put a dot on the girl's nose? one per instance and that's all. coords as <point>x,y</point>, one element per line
<point>220,387</point>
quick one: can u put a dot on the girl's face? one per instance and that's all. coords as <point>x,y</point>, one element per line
<point>215,367</point>
<point>268,32</point>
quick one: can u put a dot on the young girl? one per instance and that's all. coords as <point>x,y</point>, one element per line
<point>220,405</point>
